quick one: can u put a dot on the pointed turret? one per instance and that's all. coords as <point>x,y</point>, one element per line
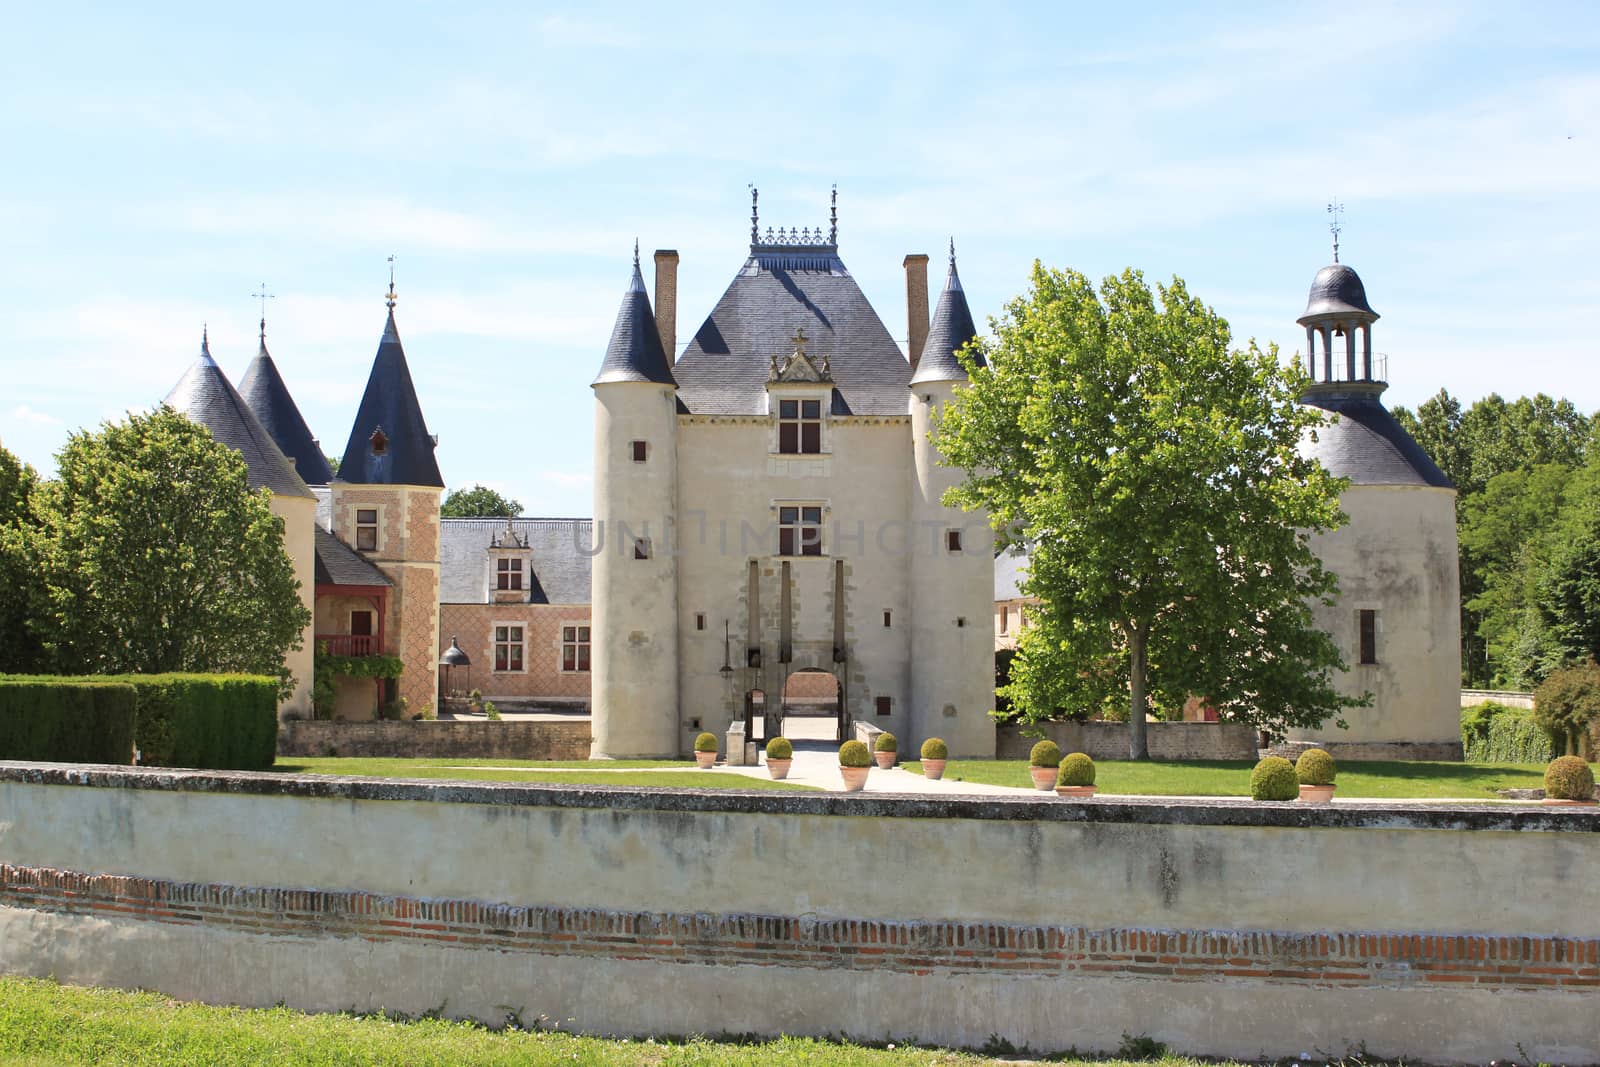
<point>635,353</point>
<point>951,329</point>
<point>206,396</point>
<point>389,442</point>
<point>268,398</point>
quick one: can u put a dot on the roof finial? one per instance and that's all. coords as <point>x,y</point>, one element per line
<point>952,252</point>
<point>833,216</point>
<point>755,218</point>
<point>390,299</point>
<point>205,338</point>
<point>264,296</point>
<point>635,253</point>
<point>1335,209</point>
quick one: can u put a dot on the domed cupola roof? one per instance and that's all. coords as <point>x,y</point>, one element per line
<point>1337,290</point>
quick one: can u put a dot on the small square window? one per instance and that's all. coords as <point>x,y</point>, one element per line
<point>508,574</point>
<point>640,450</point>
<point>961,620</point>
<point>952,540</point>
<point>641,548</point>
<point>882,705</point>
<point>367,529</point>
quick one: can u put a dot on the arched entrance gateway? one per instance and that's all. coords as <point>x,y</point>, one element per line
<point>812,707</point>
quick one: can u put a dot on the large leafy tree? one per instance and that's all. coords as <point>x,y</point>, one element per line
<point>20,588</point>
<point>157,556</point>
<point>1153,473</point>
<point>478,502</point>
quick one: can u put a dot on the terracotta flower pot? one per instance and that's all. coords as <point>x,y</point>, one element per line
<point>779,768</point>
<point>885,759</point>
<point>1316,794</point>
<point>933,769</point>
<point>706,759</point>
<point>1075,792</point>
<point>854,778</point>
<point>1044,778</point>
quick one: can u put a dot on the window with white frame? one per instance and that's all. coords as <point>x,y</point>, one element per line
<point>800,530</point>
<point>574,648</point>
<point>508,648</point>
<point>508,574</point>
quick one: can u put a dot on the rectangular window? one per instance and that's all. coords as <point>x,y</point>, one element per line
<point>641,548</point>
<point>1368,620</point>
<point>574,648</point>
<point>952,540</point>
<point>699,620</point>
<point>887,619</point>
<point>508,574</point>
<point>361,623</point>
<point>367,529</point>
<point>1005,619</point>
<point>799,426</point>
<point>640,450</point>
<point>800,531</point>
<point>882,705</point>
<point>508,648</point>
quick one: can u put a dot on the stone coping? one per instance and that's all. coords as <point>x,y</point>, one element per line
<point>1200,811</point>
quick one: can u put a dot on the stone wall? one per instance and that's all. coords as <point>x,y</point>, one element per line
<point>1109,740</point>
<point>1511,699</point>
<point>439,739</point>
<point>1229,929</point>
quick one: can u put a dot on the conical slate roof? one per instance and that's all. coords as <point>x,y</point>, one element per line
<point>1364,442</point>
<point>403,453</point>
<point>206,396</point>
<point>1337,290</point>
<point>268,398</point>
<point>635,353</point>
<point>951,329</point>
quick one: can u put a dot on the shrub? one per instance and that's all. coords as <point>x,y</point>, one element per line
<point>1076,769</point>
<point>886,743</point>
<point>1315,767</point>
<point>476,695</point>
<point>780,748</point>
<point>392,710</point>
<point>1045,754</point>
<point>1569,778</point>
<point>67,721</point>
<point>1497,733</point>
<point>706,742</point>
<point>935,748</point>
<point>1274,779</point>
<point>427,714</point>
<point>854,754</point>
<point>491,712</point>
<point>1567,702</point>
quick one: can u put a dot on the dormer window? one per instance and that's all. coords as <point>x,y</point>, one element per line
<point>800,426</point>
<point>508,574</point>
<point>379,441</point>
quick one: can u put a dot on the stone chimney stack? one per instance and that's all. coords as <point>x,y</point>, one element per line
<point>916,266</point>
<point>667,301</point>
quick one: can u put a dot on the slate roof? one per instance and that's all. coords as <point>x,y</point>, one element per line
<point>781,289</point>
<point>339,564</point>
<point>1337,290</point>
<point>206,396</point>
<point>562,559</point>
<point>390,403</point>
<point>1365,443</point>
<point>635,353</point>
<point>1010,568</point>
<point>951,329</point>
<point>268,397</point>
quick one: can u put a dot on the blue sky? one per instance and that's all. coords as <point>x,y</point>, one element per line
<point>158,165</point>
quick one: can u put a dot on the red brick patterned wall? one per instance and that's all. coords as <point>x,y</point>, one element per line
<point>542,677</point>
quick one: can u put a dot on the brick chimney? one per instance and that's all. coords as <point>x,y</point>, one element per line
<point>916,266</point>
<point>667,301</point>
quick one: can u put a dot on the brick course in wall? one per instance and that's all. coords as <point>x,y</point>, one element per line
<point>1371,959</point>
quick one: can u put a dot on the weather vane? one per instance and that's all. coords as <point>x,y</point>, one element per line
<point>1335,209</point>
<point>391,298</point>
<point>264,296</point>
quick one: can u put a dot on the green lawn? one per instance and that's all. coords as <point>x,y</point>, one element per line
<point>1406,779</point>
<point>42,1023</point>
<point>660,774</point>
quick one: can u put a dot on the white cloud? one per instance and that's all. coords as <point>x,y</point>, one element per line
<point>24,413</point>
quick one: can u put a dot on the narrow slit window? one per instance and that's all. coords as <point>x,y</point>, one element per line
<point>1367,620</point>
<point>1005,619</point>
<point>888,619</point>
<point>952,540</point>
<point>700,620</point>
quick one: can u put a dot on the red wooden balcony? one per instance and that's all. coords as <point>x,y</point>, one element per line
<point>348,644</point>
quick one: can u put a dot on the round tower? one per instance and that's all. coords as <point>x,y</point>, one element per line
<point>635,578</point>
<point>1397,619</point>
<point>951,560</point>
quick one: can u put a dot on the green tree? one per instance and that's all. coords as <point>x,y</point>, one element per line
<point>1153,474</point>
<point>21,592</point>
<point>478,502</point>
<point>157,556</point>
<point>1567,702</point>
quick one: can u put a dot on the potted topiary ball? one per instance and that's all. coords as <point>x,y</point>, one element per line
<point>934,755</point>
<point>1076,779</point>
<point>1567,781</point>
<point>884,750</point>
<point>1274,779</point>
<point>1315,770</point>
<point>1042,764</point>
<point>705,750</point>
<point>780,754</point>
<point>854,759</point>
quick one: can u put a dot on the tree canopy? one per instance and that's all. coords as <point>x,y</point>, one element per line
<point>1152,473</point>
<point>478,502</point>
<point>154,555</point>
<point>20,650</point>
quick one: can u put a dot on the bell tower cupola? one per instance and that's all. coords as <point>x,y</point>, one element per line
<point>1336,310</point>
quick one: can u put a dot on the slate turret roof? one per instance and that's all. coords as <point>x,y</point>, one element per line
<point>635,353</point>
<point>390,405</point>
<point>1337,290</point>
<point>206,396</point>
<point>1365,443</point>
<point>263,390</point>
<point>783,288</point>
<point>951,329</point>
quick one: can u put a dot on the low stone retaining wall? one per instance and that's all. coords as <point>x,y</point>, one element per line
<point>1510,699</point>
<point>551,739</point>
<point>1109,740</point>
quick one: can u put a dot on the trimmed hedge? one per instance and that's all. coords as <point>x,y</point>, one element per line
<point>210,721</point>
<point>61,721</point>
<point>1496,733</point>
